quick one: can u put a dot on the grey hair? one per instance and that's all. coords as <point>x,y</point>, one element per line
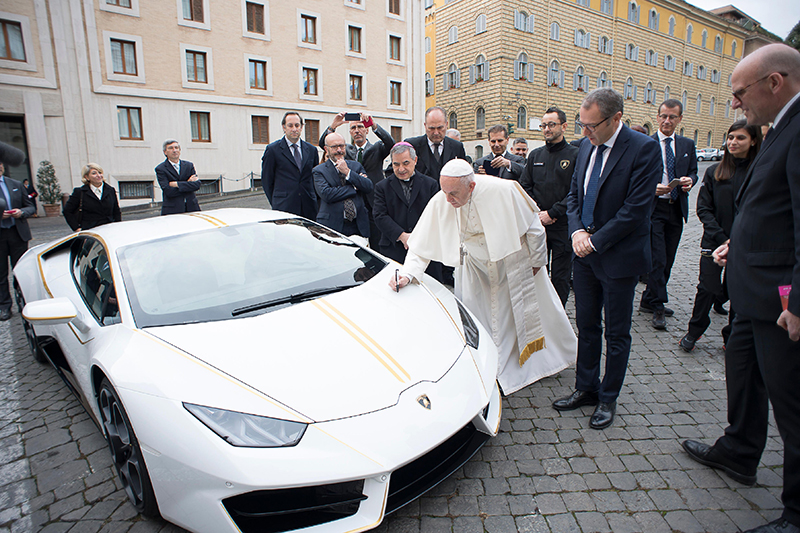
<point>167,143</point>
<point>399,148</point>
<point>453,134</point>
<point>608,101</point>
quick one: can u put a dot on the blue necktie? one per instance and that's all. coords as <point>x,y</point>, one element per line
<point>671,167</point>
<point>587,213</point>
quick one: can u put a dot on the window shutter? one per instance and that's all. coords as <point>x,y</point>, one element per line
<point>458,78</point>
<point>471,74</point>
<point>516,69</point>
<point>611,47</point>
<point>586,84</point>
<point>516,19</point>
<point>588,42</point>
<point>531,20</point>
<point>636,53</point>
<point>600,45</point>
<point>599,82</point>
<point>655,58</point>
<point>658,20</point>
<point>576,39</point>
<point>610,84</point>
<point>561,79</point>
<point>634,92</point>
<point>575,82</point>
<point>445,85</point>
<point>486,70</point>
<point>530,72</point>
<point>197,10</point>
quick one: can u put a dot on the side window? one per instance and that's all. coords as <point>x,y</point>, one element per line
<point>92,274</point>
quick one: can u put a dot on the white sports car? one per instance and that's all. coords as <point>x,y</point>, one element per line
<point>252,371</point>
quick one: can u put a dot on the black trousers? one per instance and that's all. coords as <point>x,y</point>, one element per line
<point>762,366</point>
<point>11,248</point>
<point>665,235</point>
<point>711,287</point>
<point>559,260</point>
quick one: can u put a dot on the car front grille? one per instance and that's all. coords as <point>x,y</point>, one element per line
<point>271,511</point>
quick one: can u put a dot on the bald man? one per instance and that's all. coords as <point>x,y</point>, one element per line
<point>762,360</point>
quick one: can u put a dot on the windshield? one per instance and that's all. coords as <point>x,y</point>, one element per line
<point>239,271</point>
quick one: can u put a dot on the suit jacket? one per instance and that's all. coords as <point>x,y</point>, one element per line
<point>685,165</point>
<point>624,203</point>
<point>19,200</point>
<point>179,199</point>
<point>394,214</point>
<point>96,212</point>
<point>332,194</point>
<point>288,188</point>
<point>514,173</point>
<point>765,239</point>
<point>426,164</point>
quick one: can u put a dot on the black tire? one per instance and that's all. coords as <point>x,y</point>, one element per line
<point>30,335</point>
<point>125,451</point>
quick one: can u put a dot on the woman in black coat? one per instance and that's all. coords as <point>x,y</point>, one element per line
<point>94,204</point>
<point>715,208</point>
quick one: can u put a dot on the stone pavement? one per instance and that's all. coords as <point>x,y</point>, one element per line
<point>545,472</point>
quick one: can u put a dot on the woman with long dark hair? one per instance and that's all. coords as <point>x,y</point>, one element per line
<point>716,211</point>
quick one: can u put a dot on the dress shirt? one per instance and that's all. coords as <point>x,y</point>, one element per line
<point>176,166</point>
<point>6,222</point>
<point>291,150</point>
<point>609,145</point>
<point>665,173</point>
<point>783,111</point>
<point>98,191</point>
<point>441,146</point>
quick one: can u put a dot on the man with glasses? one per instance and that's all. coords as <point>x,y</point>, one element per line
<point>608,210</point>
<point>677,177</point>
<point>762,360</point>
<point>546,178</point>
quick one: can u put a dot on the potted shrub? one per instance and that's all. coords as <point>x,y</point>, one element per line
<point>49,189</point>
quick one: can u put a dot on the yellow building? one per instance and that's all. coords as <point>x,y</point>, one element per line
<point>506,62</point>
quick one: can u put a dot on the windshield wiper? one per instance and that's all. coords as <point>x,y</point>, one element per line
<point>292,299</point>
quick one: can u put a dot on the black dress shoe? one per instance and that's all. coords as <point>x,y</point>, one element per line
<point>603,415</point>
<point>687,343</point>
<point>709,456</point>
<point>659,322</point>
<point>645,308</point>
<point>5,314</point>
<point>719,309</point>
<point>575,400</point>
<point>781,525</point>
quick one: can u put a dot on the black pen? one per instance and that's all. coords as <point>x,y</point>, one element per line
<point>396,279</point>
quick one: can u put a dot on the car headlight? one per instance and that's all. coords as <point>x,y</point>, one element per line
<point>249,431</point>
<point>470,328</point>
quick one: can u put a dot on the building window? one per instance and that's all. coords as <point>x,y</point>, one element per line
<point>427,45</point>
<point>355,87</point>
<point>688,68</point>
<point>684,99</point>
<point>397,133</point>
<point>701,72</point>
<point>11,46</point>
<point>395,93</point>
<point>728,109</point>
<point>715,76</point>
<point>522,118</point>
<point>196,66</point>
<point>629,89</point>
<point>649,93</point>
<point>602,80</point>
<point>452,35</point>
<point>311,128</point>
<point>429,89</point>
<point>452,121</point>
<point>255,18</point>
<point>480,24</point>
<point>523,22</point>
<point>452,78</point>
<point>718,44</point>
<point>258,74</point>
<point>672,26</point>
<point>689,33</point>
<point>193,10</point>
<point>119,3</point>
<point>669,63</point>
<point>260,126</point>
<point>584,3</point>
<point>480,70</point>
<point>582,39</point>
<point>607,6</point>
<point>704,39</point>
<point>733,49</point>
<point>480,119</point>
<point>651,58</point>
<point>201,126</point>
<point>308,29</point>
<point>633,12</point>
<point>135,190</point>
<point>394,48</point>
<point>555,31</point>
<point>310,81</point>
<point>579,80</point>
<point>394,7</point>
<point>653,20</point>
<point>123,57</point>
<point>130,123</point>
<point>632,52</point>
<point>354,39</point>
<point>698,104</point>
<point>605,45</point>
<point>709,139</point>
<point>712,105</point>
<point>666,92</point>
<point>555,76</point>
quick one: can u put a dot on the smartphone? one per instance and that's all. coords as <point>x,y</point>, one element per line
<point>674,183</point>
<point>352,117</point>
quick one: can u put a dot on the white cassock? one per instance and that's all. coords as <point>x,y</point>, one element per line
<point>503,239</point>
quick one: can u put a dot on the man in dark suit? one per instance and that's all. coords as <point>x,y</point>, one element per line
<point>762,360</point>
<point>178,181</point>
<point>671,209</point>
<point>608,210</point>
<point>370,155</point>
<point>501,162</point>
<point>14,231</point>
<point>400,200</point>
<point>286,170</point>
<point>342,186</point>
<point>434,149</point>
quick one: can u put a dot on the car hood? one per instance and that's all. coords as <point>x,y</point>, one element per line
<point>343,355</point>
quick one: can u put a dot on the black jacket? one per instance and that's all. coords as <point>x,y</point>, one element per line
<point>426,164</point>
<point>94,212</point>
<point>715,207</point>
<point>547,177</point>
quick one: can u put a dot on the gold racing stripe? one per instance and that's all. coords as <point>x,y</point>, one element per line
<point>370,345</point>
<point>213,220</point>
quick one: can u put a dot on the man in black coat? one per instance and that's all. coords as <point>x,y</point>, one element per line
<point>16,206</point>
<point>762,360</point>
<point>500,161</point>
<point>178,181</point>
<point>400,200</point>
<point>546,179</point>
<point>671,209</point>
<point>434,149</point>
<point>286,170</point>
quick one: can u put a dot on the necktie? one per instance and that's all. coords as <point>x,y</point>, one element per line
<point>349,205</point>
<point>673,194</point>
<point>360,156</point>
<point>296,153</point>
<point>587,213</point>
<point>436,155</point>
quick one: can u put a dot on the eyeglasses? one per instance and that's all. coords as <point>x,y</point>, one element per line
<point>591,127</point>
<point>551,125</point>
<point>669,117</point>
<point>740,92</point>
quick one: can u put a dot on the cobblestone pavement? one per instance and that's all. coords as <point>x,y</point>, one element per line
<point>545,472</point>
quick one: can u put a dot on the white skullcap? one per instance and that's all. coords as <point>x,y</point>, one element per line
<point>456,168</point>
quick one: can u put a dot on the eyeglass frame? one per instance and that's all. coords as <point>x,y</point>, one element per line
<point>741,92</point>
<point>552,125</point>
<point>591,127</point>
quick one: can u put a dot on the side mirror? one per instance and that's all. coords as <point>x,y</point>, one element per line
<point>52,312</point>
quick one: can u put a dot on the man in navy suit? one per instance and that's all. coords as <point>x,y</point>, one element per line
<point>434,149</point>
<point>608,210</point>
<point>178,181</point>
<point>671,209</point>
<point>503,163</point>
<point>342,186</point>
<point>15,206</point>
<point>286,170</point>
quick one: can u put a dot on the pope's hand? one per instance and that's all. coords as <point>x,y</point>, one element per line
<point>403,281</point>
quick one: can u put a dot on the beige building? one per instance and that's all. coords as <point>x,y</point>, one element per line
<point>506,62</point>
<point>108,81</point>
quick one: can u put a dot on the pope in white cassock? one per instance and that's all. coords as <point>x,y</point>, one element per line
<point>489,230</point>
